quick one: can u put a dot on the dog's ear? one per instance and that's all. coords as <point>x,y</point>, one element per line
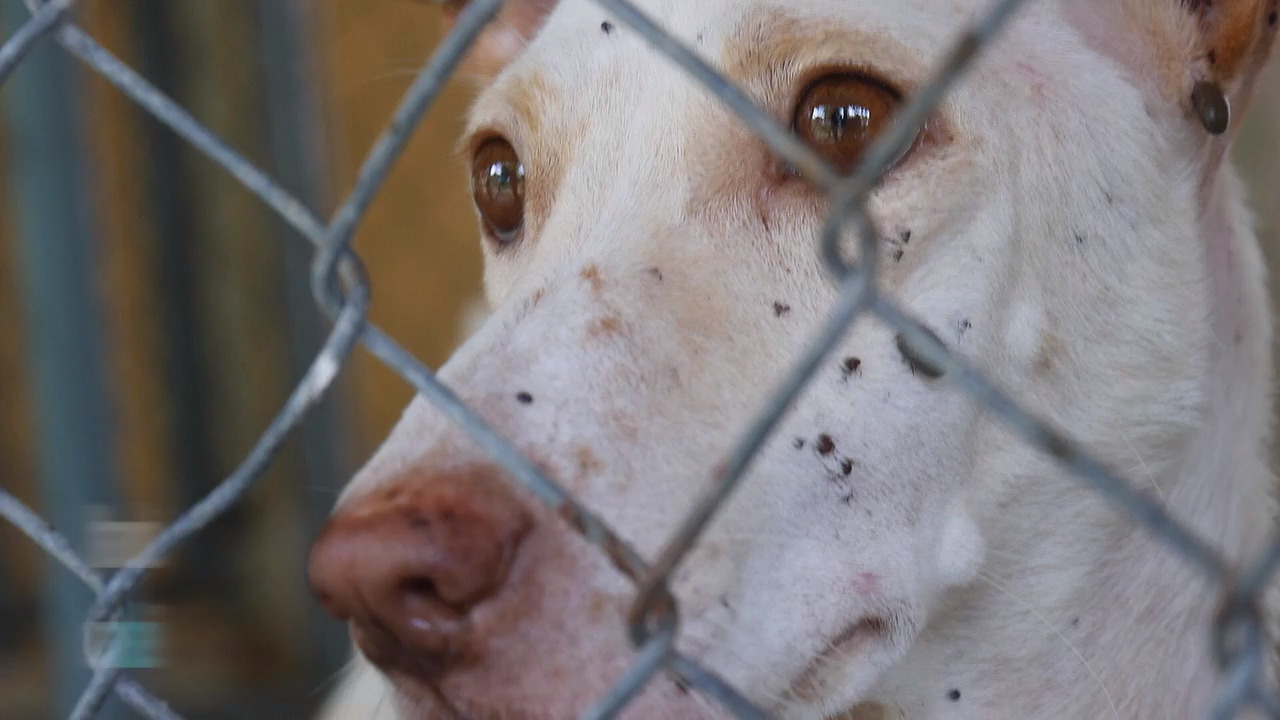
<point>503,39</point>
<point>1193,53</point>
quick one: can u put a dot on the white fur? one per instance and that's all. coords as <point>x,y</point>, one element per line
<point>1068,236</point>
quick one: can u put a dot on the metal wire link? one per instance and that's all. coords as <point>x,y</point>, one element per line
<point>342,290</point>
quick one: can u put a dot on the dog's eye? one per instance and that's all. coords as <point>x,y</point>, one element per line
<point>497,184</point>
<point>840,116</point>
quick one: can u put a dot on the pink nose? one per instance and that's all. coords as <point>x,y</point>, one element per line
<point>408,563</point>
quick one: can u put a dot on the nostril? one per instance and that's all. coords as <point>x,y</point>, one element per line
<point>408,565</point>
<point>423,587</point>
<point>421,596</point>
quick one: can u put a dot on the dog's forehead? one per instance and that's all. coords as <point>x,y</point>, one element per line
<point>582,47</point>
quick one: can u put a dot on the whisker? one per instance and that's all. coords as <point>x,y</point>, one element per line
<point>336,676</point>
<point>1143,463</point>
<point>1036,613</point>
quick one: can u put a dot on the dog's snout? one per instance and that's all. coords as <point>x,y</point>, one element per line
<point>408,564</point>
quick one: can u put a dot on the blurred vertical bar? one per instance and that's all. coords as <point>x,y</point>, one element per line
<point>172,210</point>
<point>52,206</point>
<point>295,113</point>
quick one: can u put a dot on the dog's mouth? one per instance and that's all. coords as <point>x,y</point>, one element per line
<point>812,684</point>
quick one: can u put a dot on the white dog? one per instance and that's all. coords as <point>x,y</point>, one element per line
<point>1066,222</point>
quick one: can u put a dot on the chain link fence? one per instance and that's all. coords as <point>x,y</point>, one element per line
<point>341,288</point>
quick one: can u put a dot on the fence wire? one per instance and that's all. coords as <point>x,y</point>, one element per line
<point>341,288</point>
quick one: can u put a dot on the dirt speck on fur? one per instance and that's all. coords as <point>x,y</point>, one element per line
<point>825,445</point>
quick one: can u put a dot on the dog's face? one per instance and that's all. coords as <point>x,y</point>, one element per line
<point>653,273</point>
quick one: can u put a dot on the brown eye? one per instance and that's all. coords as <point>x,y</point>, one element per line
<point>497,184</point>
<point>840,116</point>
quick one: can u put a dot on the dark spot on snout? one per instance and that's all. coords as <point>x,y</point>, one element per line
<point>607,27</point>
<point>898,255</point>
<point>656,273</point>
<point>953,695</point>
<point>850,367</point>
<point>904,237</point>
<point>524,398</point>
<point>416,520</point>
<point>825,444</point>
<point>964,327</point>
<point>846,466</point>
<point>780,309</point>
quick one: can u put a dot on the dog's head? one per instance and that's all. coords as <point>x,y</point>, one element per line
<point>653,274</point>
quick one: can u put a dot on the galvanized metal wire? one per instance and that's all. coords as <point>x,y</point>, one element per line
<point>342,290</point>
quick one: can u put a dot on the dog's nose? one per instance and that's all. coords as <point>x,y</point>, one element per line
<point>408,563</point>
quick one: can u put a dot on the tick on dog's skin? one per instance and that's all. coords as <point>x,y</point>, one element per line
<point>850,367</point>
<point>1079,238</point>
<point>953,695</point>
<point>780,309</point>
<point>825,444</point>
<point>524,398</point>
<point>1211,105</point>
<point>607,27</point>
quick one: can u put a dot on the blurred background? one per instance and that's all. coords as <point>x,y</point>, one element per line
<point>154,315</point>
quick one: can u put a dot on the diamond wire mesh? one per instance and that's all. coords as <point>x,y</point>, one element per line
<point>342,290</point>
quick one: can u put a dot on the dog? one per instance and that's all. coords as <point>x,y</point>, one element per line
<point>1067,222</point>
